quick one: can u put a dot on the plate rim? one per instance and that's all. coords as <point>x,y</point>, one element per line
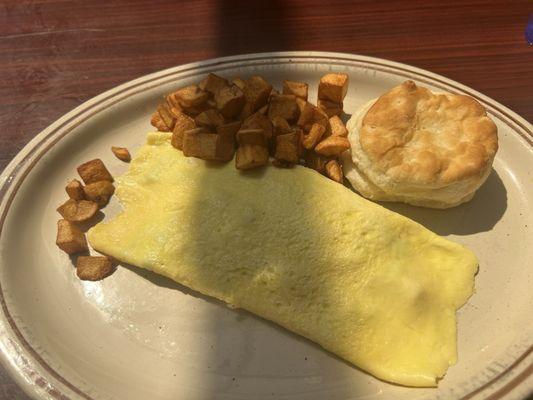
<point>52,384</point>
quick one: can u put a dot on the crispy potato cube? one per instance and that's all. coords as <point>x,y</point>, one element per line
<point>316,161</point>
<point>334,171</point>
<point>288,147</point>
<point>229,129</point>
<point>299,89</point>
<point>230,101</point>
<point>252,137</point>
<point>200,145</point>
<point>280,126</point>
<point>225,147</point>
<point>307,112</point>
<point>258,121</point>
<point>284,106</point>
<point>213,83</point>
<point>70,238</point>
<point>210,118</point>
<point>240,83</point>
<point>257,91</point>
<point>332,146</point>
<point>121,153</point>
<point>312,115</point>
<point>195,110</point>
<point>191,96</point>
<point>94,171</point>
<point>301,103</point>
<point>78,210</point>
<point>337,127</point>
<point>246,111</point>
<point>313,137</point>
<point>330,108</point>
<point>333,87</point>
<point>263,110</point>
<point>157,122</point>
<point>100,192</point>
<point>251,156</point>
<point>74,190</point>
<point>93,268</point>
<point>183,123</point>
<point>164,111</point>
<point>173,101</point>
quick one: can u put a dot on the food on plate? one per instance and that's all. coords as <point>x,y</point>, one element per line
<point>205,120</point>
<point>420,147</point>
<point>369,285</point>
<point>93,268</point>
<point>100,192</point>
<point>70,238</point>
<point>78,210</point>
<point>94,171</point>
<point>74,190</point>
<point>121,153</point>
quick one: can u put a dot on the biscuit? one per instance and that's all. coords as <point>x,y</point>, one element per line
<point>419,147</point>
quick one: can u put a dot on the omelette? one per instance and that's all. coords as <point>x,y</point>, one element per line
<point>298,249</point>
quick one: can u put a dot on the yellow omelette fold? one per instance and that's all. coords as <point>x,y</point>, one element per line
<point>291,246</point>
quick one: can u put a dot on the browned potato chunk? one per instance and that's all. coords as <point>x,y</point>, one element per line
<point>78,210</point>
<point>121,153</point>
<point>157,122</point>
<point>213,83</point>
<point>316,161</point>
<point>257,91</point>
<point>70,238</point>
<point>313,137</point>
<point>164,111</point>
<point>246,111</point>
<point>173,101</point>
<point>259,121</point>
<point>230,101</point>
<point>200,145</point>
<point>252,137</point>
<point>93,268</point>
<point>337,127</point>
<point>299,89</point>
<point>284,106</point>
<point>240,83</point>
<point>288,147</point>
<point>251,156</point>
<point>333,87</point>
<point>230,129</point>
<point>195,110</point>
<point>334,171</point>
<point>311,115</point>
<point>332,146</point>
<point>74,190</point>
<point>191,96</point>
<point>209,118</point>
<point>94,171</point>
<point>330,108</point>
<point>281,126</point>
<point>183,123</point>
<point>100,192</point>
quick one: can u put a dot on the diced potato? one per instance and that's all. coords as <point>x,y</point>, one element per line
<point>167,117</point>
<point>230,101</point>
<point>173,101</point>
<point>301,103</point>
<point>246,111</point>
<point>240,83</point>
<point>250,156</point>
<point>263,110</point>
<point>299,89</point>
<point>281,126</point>
<point>213,83</point>
<point>93,268</point>
<point>252,137</point>
<point>333,87</point>
<point>200,145</point>
<point>191,96</point>
<point>157,122</point>
<point>316,161</point>
<point>284,106</point>
<point>312,115</point>
<point>337,127</point>
<point>229,129</point>
<point>193,111</point>
<point>121,153</point>
<point>78,210</point>
<point>74,190</point>
<point>94,171</point>
<point>288,147</point>
<point>258,121</point>
<point>70,238</point>
<point>334,171</point>
<point>313,137</point>
<point>183,123</point>
<point>209,118</point>
<point>329,107</point>
<point>100,192</point>
<point>332,146</point>
<point>257,91</point>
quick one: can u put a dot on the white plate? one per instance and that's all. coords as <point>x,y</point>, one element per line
<point>135,335</point>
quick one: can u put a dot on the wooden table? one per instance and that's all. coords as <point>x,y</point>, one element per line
<point>54,55</point>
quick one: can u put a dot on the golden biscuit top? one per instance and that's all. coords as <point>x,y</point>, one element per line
<point>414,135</point>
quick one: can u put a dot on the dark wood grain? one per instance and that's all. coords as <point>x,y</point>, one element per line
<point>56,54</point>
